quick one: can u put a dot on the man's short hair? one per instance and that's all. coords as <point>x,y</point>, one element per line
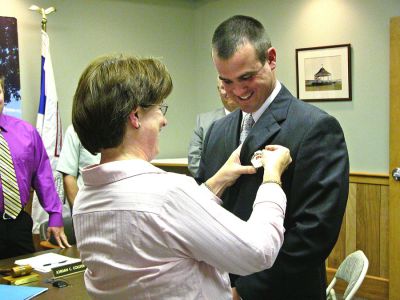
<point>237,31</point>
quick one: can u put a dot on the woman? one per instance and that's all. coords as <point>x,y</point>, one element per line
<point>144,233</point>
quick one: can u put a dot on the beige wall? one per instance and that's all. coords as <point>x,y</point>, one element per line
<point>83,29</point>
<point>179,32</point>
<point>308,23</point>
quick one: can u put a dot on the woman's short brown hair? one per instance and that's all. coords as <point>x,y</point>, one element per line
<point>108,90</point>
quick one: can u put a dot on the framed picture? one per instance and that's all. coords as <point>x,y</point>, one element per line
<point>9,66</point>
<point>324,73</point>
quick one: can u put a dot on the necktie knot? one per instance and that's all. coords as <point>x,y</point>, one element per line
<point>248,123</point>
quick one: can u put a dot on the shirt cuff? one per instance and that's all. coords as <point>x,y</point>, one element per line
<point>56,220</point>
<point>271,192</point>
<point>214,198</point>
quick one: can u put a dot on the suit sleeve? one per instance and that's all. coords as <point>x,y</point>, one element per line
<point>207,164</point>
<point>195,148</point>
<point>317,197</point>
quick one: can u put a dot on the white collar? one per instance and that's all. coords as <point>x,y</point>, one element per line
<point>257,114</point>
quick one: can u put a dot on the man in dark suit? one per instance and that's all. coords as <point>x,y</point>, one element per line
<point>316,183</point>
<point>203,122</point>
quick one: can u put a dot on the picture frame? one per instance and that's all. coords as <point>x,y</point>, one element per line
<point>324,73</point>
<point>9,66</point>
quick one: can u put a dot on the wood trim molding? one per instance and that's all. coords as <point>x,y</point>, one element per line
<point>179,165</point>
<point>369,178</point>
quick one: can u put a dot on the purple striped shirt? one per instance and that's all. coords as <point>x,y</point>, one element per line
<point>32,167</point>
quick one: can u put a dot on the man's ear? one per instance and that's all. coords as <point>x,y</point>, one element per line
<point>134,118</point>
<point>271,57</point>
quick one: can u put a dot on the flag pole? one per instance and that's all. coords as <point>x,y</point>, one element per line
<point>48,122</point>
<point>44,13</point>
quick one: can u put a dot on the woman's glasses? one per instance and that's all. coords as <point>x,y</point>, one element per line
<point>163,107</point>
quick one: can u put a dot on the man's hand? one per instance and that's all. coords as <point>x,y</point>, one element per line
<point>59,235</point>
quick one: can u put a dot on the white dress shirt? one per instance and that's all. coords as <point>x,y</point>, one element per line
<point>257,114</point>
<point>144,233</point>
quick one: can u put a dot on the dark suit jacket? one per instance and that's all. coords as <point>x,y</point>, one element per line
<point>316,185</point>
<point>203,122</point>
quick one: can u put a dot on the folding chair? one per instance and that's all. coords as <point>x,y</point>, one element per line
<point>352,270</point>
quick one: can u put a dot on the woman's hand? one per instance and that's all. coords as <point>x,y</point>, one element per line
<point>275,160</point>
<point>229,173</point>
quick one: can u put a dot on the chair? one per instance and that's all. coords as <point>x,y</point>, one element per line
<point>352,270</point>
<point>52,243</point>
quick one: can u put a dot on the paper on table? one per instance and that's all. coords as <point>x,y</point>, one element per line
<point>45,262</point>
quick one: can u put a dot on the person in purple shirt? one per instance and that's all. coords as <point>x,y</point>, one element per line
<point>32,169</point>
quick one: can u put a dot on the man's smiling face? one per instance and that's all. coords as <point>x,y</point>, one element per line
<point>246,80</point>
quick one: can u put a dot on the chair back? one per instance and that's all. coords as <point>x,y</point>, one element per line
<point>68,230</point>
<point>352,270</point>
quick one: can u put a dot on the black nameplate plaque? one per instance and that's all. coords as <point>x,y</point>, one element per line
<point>68,269</point>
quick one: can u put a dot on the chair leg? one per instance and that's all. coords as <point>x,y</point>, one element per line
<point>36,242</point>
<point>332,295</point>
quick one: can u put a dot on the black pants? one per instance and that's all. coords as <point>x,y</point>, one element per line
<point>16,236</point>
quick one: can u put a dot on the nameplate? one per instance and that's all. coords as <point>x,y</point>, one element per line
<point>68,269</point>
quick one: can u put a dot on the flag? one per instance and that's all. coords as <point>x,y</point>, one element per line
<point>48,124</point>
<point>48,121</point>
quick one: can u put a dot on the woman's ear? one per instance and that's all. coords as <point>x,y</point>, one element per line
<point>134,119</point>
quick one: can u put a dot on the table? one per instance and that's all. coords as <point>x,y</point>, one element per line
<point>76,288</point>
<point>176,165</point>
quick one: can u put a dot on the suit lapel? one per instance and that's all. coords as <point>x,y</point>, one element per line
<point>231,138</point>
<point>267,126</point>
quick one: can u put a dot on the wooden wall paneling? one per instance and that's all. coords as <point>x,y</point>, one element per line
<point>374,288</point>
<point>380,179</point>
<point>368,221</point>
<point>346,243</point>
<point>338,253</point>
<point>384,233</point>
<point>351,220</point>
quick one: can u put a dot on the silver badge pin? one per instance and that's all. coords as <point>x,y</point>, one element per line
<point>256,159</point>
